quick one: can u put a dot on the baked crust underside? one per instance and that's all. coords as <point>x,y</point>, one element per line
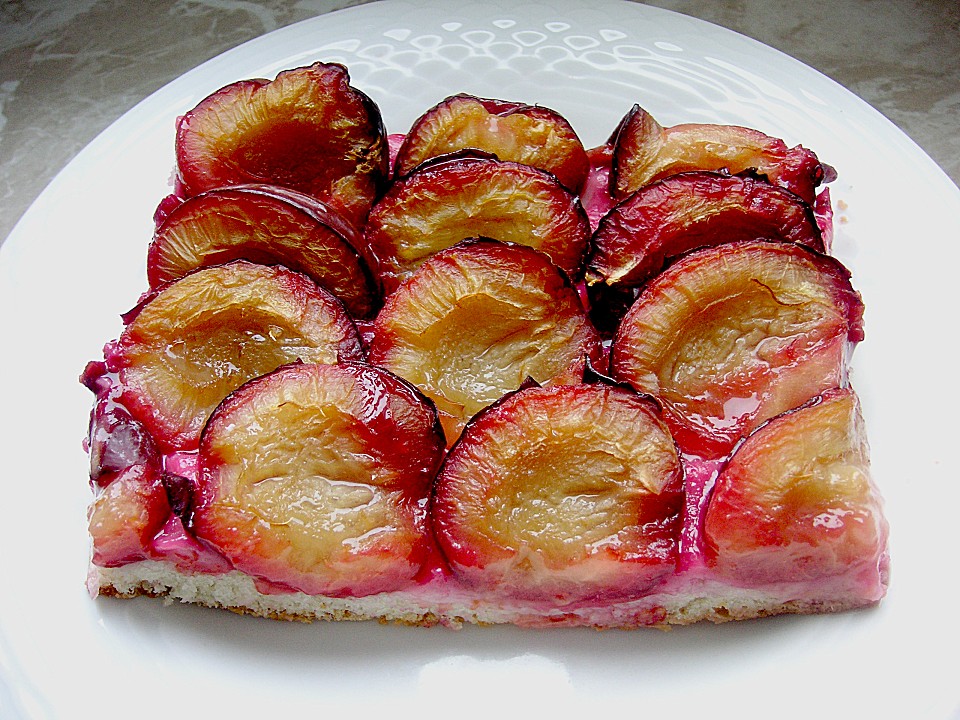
<point>425,606</point>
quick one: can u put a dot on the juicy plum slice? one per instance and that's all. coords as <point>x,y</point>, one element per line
<point>732,335</point>
<point>126,515</point>
<point>199,338</point>
<point>116,442</point>
<point>529,134</point>
<point>476,320</point>
<point>644,151</point>
<point>316,478</point>
<point>561,494</point>
<point>308,130</point>
<point>796,502</point>
<point>445,202</point>
<point>682,212</point>
<point>269,225</point>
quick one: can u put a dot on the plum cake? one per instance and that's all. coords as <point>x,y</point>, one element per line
<point>474,372</point>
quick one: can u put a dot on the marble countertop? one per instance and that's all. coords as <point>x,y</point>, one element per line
<point>69,69</point>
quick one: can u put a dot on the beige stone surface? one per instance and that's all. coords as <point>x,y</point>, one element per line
<point>69,69</point>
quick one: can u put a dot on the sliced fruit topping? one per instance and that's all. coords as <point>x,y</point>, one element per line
<point>269,225</point>
<point>731,335</point>
<point>529,134</point>
<point>561,494</point>
<point>126,515</point>
<point>448,201</point>
<point>644,151</point>
<point>690,210</point>
<point>478,319</point>
<point>795,502</point>
<point>308,130</point>
<point>316,478</point>
<point>201,337</point>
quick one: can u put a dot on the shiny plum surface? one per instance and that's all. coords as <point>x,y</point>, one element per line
<point>796,501</point>
<point>126,515</point>
<point>562,494</point>
<point>450,200</point>
<point>476,320</point>
<point>308,129</point>
<point>201,337</point>
<point>731,335</point>
<point>690,210</point>
<point>529,134</point>
<point>644,151</point>
<point>269,225</point>
<point>315,478</point>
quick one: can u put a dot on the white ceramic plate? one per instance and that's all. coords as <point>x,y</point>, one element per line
<point>76,261</point>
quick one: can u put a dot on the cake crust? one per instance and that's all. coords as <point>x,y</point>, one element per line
<point>237,593</point>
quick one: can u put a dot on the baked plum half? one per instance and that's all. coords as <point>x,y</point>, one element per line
<point>644,151</point>
<point>198,339</point>
<point>796,503</point>
<point>316,478</point>
<point>677,214</point>
<point>449,200</point>
<point>561,494</point>
<point>732,335</point>
<point>269,225</point>
<point>308,130</point>
<point>126,515</point>
<point>476,320</point>
<point>529,134</point>
<point>690,210</point>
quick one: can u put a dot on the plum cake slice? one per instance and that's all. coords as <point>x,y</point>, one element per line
<point>514,381</point>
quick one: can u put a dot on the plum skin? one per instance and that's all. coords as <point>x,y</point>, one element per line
<point>126,515</point>
<point>689,210</point>
<point>446,201</point>
<point>640,235</point>
<point>116,442</point>
<point>645,151</point>
<point>266,224</point>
